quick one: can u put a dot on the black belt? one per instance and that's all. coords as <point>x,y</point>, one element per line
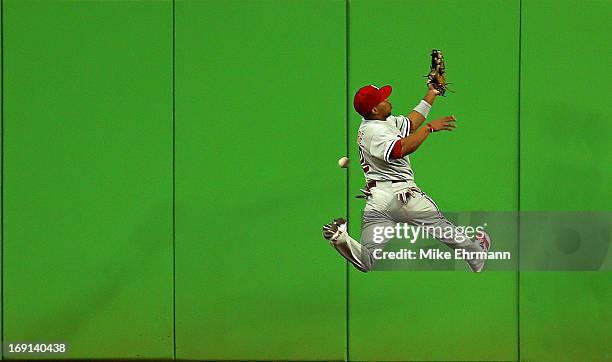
<point>373,183</point>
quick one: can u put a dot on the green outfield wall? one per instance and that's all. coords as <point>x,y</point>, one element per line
<point>260,121</point>
<point>565,165</point>
<point>87,136</point>
<point>167,167</point>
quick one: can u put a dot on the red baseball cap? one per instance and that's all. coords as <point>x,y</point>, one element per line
<point>369,96</point>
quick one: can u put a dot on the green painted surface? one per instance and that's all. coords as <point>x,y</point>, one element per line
<point>565,159</point>
<point>426,316</point>
<point>1,185</point>
<point>260,124</point>
<point>88,176</point>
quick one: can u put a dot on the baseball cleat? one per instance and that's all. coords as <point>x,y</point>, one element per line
<point>333,230</point>
<point>484,241</point>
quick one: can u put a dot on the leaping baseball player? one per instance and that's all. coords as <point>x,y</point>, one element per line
<point>392,196</point>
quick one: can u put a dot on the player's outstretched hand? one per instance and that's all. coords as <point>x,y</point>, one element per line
<point>431,88</point>
<point>443,124</point>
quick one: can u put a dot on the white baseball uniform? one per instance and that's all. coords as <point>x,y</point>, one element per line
<point>395,198</point>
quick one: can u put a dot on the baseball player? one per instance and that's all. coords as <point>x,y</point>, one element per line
<point>392,196</point>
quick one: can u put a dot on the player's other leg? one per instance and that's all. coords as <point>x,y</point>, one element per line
<point>337,234</point>
<point>420,210</point>
<point>375,219</point>
<point>360,254</point>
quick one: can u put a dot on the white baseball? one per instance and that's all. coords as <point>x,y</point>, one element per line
<point>343,162</point>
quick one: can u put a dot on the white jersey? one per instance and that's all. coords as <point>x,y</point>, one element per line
<point>376,140</point>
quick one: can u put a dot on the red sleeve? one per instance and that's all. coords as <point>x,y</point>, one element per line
<point>396,152</point>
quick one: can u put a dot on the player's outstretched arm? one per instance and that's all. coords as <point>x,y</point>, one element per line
<point>416,118</point>
<point>412,142</point>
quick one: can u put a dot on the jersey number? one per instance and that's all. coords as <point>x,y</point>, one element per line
<point>362,161</point>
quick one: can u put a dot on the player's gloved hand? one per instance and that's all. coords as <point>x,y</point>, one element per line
<point>432,89</point>
<point>443,124</point>
<point>437,72</point>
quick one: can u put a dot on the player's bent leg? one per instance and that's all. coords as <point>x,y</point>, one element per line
<point>458,240</point>
<point>419,209</point>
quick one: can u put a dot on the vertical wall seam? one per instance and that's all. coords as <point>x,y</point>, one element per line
<point>347,190</point>
<point>518,244</point>
<point>173,190</point>
<point>2,175</point>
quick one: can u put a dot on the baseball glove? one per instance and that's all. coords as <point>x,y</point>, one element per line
<point>437,73</point>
